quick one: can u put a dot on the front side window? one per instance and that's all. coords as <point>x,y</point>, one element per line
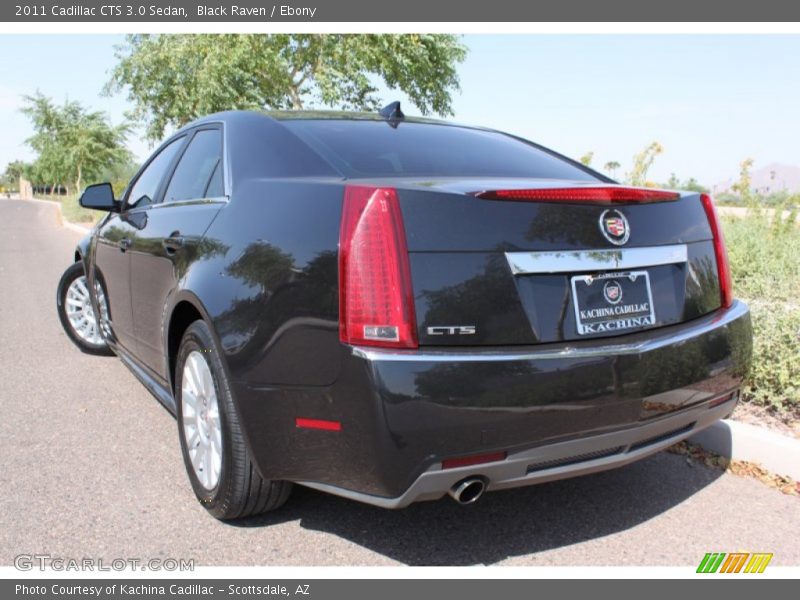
<point>144,191</point>
<point>199,167</point>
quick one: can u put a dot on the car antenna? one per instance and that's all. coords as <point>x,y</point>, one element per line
<point>392,113</point>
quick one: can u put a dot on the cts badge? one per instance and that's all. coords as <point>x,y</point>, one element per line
<point>452,330</point>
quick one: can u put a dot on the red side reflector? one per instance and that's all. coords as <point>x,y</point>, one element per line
<point>723,266</point>
<point>723,399</point>
<point>317,424</point>
<point>477,459</point>
<point>376,302</point>
<point>582,194</point>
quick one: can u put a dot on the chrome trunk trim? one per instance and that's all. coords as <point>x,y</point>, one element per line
<point>588,261</point>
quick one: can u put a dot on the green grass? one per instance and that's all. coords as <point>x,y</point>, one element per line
<point>765,261</point>
<point>74,212</point>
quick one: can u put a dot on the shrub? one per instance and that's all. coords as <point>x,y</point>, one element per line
<point>764,251</point>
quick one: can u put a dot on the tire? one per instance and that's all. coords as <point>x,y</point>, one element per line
<point>76,313</point>
<point>229,485</point>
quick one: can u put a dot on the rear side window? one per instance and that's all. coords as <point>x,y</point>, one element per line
<point>197,168</point>
<point>215,189</point>
<point>146,186</point>
<point>374,149</point>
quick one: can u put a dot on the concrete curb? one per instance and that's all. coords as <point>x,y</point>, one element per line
<point>777,453</point>
<point>83,230</point>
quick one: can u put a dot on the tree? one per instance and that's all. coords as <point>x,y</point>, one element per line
<point>14,171</point>
<point>743,187</point>
<point>691,184</point>
<point>47,121</point>
<point>72,142</point>
<point>586,159</point>
<point>611,167</point>
<point>119,175</point>
<point>673,183</point>
<point>173,79</point>
<point>94,145</point>
<point>642,163</point>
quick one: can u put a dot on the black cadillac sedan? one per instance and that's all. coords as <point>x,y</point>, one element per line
<point>393,309</point>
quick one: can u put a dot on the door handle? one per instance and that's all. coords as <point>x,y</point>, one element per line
<point>172,243</point>
<point>124,244</point>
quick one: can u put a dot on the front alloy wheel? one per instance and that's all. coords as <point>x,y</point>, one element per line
<point>77,314</point>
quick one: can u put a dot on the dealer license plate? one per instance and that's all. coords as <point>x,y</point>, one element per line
<point>612,302</point>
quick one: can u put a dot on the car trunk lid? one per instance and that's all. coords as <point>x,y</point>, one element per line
<point>490,270</point>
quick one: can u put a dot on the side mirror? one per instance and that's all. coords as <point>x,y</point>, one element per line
<point>99,197</point>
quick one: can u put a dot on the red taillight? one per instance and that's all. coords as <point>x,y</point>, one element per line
<point>376,303</point>
<point>723,266</point>
<point>476,459</point>
<point>582,194</point>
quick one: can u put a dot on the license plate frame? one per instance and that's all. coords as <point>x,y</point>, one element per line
<point>608,314</point>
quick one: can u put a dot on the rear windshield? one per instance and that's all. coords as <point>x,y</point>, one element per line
<point>374,149</point>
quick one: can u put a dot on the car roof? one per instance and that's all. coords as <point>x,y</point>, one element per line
<point>274,125</point>
<point>294,115</point>
<point>343,115</point>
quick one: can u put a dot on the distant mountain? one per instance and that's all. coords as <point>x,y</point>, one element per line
<point>772,178</point>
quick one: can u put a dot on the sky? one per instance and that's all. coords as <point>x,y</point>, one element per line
<point>710,100</point>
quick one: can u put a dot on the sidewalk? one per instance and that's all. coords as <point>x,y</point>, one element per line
<point>82,229</point>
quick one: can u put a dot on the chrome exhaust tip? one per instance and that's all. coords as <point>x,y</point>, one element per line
<point>467,491</point>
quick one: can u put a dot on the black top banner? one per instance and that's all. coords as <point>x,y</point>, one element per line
<point>255,11</point>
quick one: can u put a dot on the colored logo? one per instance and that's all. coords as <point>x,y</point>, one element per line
<point>614,227</point>
<point>734,562</point>
<point>612,292</point>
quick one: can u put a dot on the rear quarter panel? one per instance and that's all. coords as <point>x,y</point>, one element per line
<point>271,286</point>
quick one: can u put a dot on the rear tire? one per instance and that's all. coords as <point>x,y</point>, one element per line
<point>218,463</point>
<point>76,313</point>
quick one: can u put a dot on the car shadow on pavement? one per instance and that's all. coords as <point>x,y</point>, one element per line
<point>502,524</point>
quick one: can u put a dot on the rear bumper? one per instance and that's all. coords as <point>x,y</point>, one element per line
<point>555,461</point>
<point>557,410</point>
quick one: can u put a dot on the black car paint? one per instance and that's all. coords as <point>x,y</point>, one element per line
<point>399,418</point>
<point>260,266</point>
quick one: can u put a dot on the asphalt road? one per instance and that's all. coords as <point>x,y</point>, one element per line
<point>90,466</point>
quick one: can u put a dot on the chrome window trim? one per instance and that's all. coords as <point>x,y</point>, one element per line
<point>190,202</point>
<point>583,261</point>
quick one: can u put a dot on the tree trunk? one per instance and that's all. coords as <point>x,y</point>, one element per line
<point>294,94</point>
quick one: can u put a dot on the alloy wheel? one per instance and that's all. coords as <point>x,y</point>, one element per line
<point>202,428</point>
<point>80,313</point>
